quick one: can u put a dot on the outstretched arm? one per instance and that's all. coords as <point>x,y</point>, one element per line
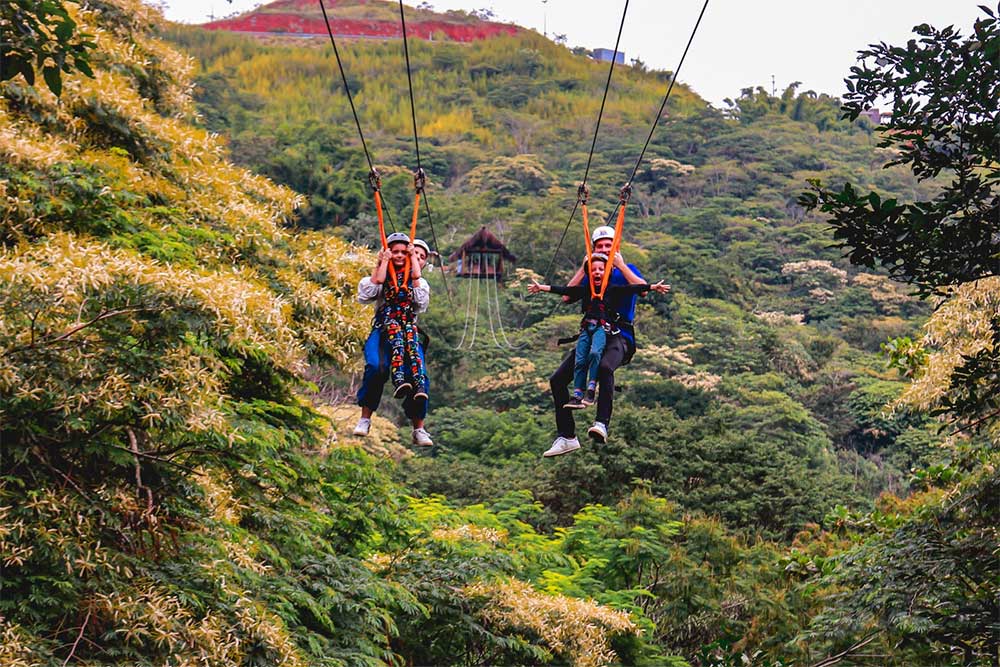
<point>535,287</point>
<point>575,280</point>
<point>569,292</point>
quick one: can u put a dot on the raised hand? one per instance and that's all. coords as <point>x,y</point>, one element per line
<point>535,287</point>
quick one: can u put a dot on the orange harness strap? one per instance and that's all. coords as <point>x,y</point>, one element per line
<point>419,181</point>
<point>583,194</point>
<point>597,291</point>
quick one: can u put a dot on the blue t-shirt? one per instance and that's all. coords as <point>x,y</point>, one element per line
<point>624,305</point>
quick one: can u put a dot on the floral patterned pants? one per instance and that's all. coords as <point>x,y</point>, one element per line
<point>405,363</point>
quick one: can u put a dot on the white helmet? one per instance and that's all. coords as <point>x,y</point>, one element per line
<point>420,243</point>
<point>602,232</point>
<point>396,237</point>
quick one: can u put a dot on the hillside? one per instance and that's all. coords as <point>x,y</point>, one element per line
<point>765,311</point>
<point>361,19</point>
<point>180,345</point>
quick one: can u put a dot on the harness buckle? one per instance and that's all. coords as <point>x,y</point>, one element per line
<point>375,179</point>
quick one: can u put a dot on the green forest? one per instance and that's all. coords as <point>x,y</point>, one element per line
<point>802,467</point>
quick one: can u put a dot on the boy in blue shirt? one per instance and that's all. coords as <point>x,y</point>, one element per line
<point>597,324</point>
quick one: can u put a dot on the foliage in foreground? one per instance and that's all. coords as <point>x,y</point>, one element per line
<point>167,492</point>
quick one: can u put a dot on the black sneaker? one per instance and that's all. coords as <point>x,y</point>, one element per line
<point>575,402</point>
<point>402,390</point>
<point>590,397</point>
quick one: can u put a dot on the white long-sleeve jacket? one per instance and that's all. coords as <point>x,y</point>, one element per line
<point>370,293</point>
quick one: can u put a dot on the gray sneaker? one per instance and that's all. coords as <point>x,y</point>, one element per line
<point>363,427</point>
<point>562,445</point>
<point>422,438</point>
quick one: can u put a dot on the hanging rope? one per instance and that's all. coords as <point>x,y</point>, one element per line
<point>468,303</point>
<point>416,145</point>
<point>372,172</point>
<point>489,305</point>
<point>475,322</point>
<point>496,302</point>
<point>593,144</point>
<point>663,105</point>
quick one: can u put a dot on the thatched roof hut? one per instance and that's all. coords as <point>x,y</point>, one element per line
<point>482,256</point>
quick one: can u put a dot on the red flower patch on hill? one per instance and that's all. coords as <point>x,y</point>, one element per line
<point>299,19</point>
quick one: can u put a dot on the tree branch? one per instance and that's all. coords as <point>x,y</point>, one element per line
<point>78,637</point>
<point>834,659</point>
<point>79,327</point>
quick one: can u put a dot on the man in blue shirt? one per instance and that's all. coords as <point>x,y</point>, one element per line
<point>618,351</point>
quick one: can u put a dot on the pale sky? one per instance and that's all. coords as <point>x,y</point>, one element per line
<point>740,43</point>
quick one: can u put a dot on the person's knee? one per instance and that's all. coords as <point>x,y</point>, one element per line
<point>606,370</point>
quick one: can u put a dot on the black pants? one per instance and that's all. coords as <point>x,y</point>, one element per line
<point>614,354</point>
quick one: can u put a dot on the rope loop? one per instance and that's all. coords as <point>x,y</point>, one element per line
<point>375,179</point>
<point>419,180</point>
<point>583,193</point>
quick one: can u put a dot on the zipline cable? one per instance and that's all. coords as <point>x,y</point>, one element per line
<point>350,99</point>
<point>663,105</point>
<point>416,144</point>
<point>593,143</point>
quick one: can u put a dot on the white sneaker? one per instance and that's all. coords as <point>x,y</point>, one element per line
<point>422,438</point>
<point>562,445</point>
<point>598,432</point>
<point>363,427</point>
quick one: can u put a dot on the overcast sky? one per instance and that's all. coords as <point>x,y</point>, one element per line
<point>740,43</point>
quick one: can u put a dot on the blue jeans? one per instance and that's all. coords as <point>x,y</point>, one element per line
<point>377,356</point>
<point>589,348</point>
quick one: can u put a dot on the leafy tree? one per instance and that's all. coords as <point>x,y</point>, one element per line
<point>41,36</point>
<point>943,88</point>
<point>923,578</point>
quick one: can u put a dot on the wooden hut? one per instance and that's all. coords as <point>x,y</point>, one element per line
<point>482,256</point>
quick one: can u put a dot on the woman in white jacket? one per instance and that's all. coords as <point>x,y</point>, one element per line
<point>392,349</point>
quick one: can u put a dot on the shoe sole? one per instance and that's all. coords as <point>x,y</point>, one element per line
<point>597,436</point>
<point>422,444</point>
<point>360,434</point>
<point>574,406</point>
<point>565,451</point>
<point>401,390</point>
